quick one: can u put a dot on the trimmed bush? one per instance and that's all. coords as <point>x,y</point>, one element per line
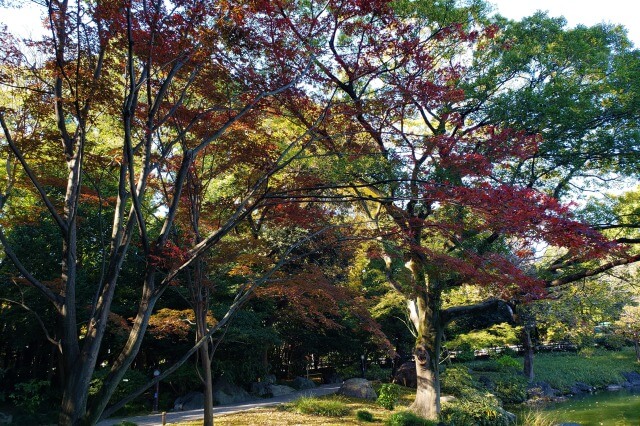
<point>475,409</point>
<point>364,416</point>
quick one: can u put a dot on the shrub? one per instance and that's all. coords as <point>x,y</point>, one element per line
<point>389,393</point>
<point>29,395</point>
<point>475,409</point>
<point>511,390</point>
<point>407,418</point>
<point>464,353</point>
<point>507,363</point>
<point>364,416</point>
<point>320,407</point>
<point>349,371</point>
<point>538,418</point>
<point>375,372</point>
<point>613,342</point>
<point>457,381</point>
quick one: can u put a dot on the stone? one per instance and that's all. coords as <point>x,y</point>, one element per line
<point>269,378</point>
<point>580,387</point>
<point>447,398</point>
<point>614,387</point>
<point>261,389</point>
<point>278,390</point>
<point>633,378</point>
<point>541,390</point>
<point>302,383</point>
<point>5,419</point>
<point>512,418</point>
<point>406,375</point>
<point>190,401</point>
<point>225,392</point>
<point>358,388</point>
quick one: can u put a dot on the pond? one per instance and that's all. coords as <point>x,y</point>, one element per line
<point>616,408</point>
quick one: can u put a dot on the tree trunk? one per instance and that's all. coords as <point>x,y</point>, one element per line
<point>424,314</point>
<point>528,353</point>
<point>636,343</point>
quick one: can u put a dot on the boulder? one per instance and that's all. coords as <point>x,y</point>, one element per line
<point>541,390</point>
<point>580,387</point>
<point>406,375</point>
<point>302,383</point>
<point>261,389</point>
<point>633,378</point>
<point>269,378</point>
<point>358,388</point>
<point>614,387</point>
<point>225,392</point>
<point>190,401</point>
<point>5,419</point>
<point>447,398</point>
<point>277,390</point>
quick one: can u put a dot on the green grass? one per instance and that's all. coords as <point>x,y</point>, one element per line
<point>328,407</point>
<point>600,368</point>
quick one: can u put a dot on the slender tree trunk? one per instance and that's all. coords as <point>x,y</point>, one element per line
<point>527,344</point>
<point>636,343</point>
<point>201,308</point>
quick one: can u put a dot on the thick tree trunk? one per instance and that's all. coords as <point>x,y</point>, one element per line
<point>528,353</point>
<point>425,316</point>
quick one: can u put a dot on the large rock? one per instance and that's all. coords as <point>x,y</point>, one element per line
<point>190,401</point>
<point>277,390</point>
<point>6,419</point>
<point>580,387</point>
<point>633,378</point>
<point>261,389</point>
<point>358,388</point>
<point>406,375</point>
<point>541,390</point>
<point>302,383</point>
<point>225,392</point>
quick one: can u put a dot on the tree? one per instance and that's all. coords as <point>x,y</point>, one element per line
<point>441,178</point>
<point>171,78</point>
<point>629,326</point>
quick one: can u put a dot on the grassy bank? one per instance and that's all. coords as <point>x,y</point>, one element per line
<point>597,368</point>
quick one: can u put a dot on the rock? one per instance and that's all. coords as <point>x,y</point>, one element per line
<point>302,383</point>
<point>277,390</point>
<point>5,419</point>
<point>580,387</point>
<point>509,415</point>
<point>541,390</point>
<point>190,401</point>
<point>261,389</point>
<point>447,398</point>
<point>614,387</point>
<point>225,392</point>
<point>406,375</point>
<point>269,378</point>
<point>633,378</point>
<point>358,388</point>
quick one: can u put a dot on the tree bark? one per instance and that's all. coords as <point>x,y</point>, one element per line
<point>424,311</point>
<point>528,353</point>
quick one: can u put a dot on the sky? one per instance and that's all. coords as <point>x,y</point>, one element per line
<point>588,12</point>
